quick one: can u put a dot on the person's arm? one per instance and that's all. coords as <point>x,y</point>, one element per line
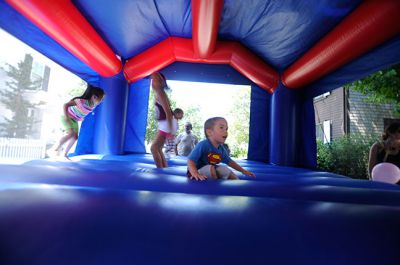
<point>65,109</point>
<point>237,167</point>
<point>163,98</point>
<point>372,160</point>
<point>194,172</point>
<point>391,147</point>
<point>177,141</point>
<point>158,84</point>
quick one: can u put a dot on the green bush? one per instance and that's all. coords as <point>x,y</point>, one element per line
<point>347,155</point>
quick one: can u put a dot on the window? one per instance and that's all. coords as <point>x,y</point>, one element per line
<point>37,71</point>
<point>323,131</point>
<point>327,131</point>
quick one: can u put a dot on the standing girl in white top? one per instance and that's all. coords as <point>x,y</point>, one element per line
<point>164,116</point>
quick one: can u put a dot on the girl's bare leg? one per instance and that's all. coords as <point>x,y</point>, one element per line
<point>63,140</point>
<point>70,144</point>
<point>156,151</point>
<point>163,159</point>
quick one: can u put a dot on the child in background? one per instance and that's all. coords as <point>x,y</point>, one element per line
<point>166,132</point>
<point>203,161</point>
<point>74,111</point>
<point>169,147</point>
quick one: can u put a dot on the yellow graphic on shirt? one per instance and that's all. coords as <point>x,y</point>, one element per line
<point>214,158</point>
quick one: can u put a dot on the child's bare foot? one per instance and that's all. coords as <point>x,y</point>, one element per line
<point>67,157</point>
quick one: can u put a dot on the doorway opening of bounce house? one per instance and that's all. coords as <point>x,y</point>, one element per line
<point>33,90</point>
<point>201,101</point>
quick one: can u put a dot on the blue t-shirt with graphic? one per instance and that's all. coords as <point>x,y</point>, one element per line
<point>204,153</point>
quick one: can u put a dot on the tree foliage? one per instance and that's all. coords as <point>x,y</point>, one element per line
<point>193,115</point>
<point>239,129</point>
<point>382,87</point>
<point>14,98</point>
<point>347,155</point>
<point>151,128</point>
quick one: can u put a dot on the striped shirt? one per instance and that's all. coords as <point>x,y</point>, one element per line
<point>80,110</point>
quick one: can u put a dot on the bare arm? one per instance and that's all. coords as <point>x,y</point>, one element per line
<point>158,85</point>
<point>177,141</point>
<point>65,109</point>
<point>193,171</point>
<point>372,161</point>
<point>236,166</point>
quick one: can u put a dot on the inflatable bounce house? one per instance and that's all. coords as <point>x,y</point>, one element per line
<point>113,206</point>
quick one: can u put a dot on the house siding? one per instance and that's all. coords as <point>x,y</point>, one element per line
<point>362,117</point>
<point>331,108</point>
<point>367,118</point>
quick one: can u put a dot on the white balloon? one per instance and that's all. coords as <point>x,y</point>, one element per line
<point>386,172</point>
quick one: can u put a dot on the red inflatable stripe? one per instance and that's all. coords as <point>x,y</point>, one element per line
<point>372,23</point>
<point>181,49</point>
<point>206,15</point>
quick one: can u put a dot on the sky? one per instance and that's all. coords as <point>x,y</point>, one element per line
<point>213,99</point>
<point>13,50</point>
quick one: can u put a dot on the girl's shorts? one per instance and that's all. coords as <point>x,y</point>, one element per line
<point>165,134</point>
<point>73,124</point>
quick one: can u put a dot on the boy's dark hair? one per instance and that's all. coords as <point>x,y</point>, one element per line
<point>210,123</point>
<point>177,111</point>
<point>90,91</point>
<point>391,129</point>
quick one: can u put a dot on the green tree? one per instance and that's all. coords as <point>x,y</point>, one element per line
<point>13,96</point>
<point>239,129</point>
<point>382,87</point>
<point>193,115</point>
<point>347,155</point>
<point>151,128</point>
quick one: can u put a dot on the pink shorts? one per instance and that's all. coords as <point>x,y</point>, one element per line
<point>165,134</point>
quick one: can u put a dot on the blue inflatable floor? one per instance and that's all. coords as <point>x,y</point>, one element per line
<point>122,210</point>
